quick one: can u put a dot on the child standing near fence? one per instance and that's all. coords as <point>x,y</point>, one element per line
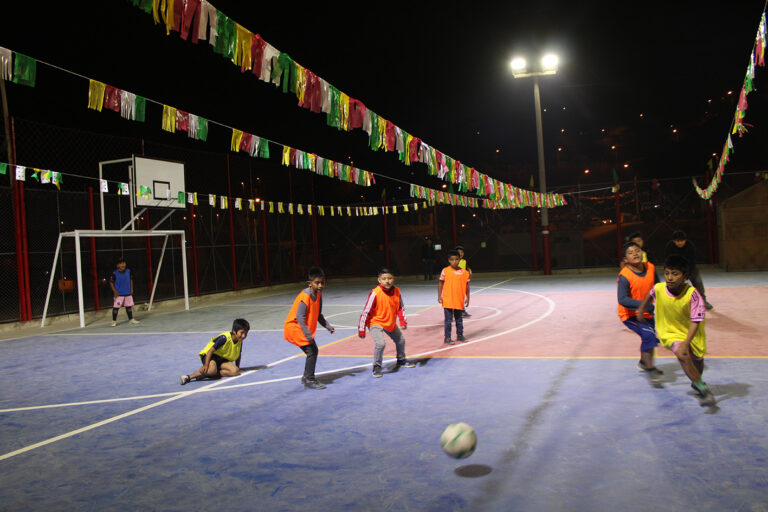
<point>121,282</point>
<point>453,294</point>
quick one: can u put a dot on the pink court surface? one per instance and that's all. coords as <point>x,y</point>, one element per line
<point>509,322</point>
<point>95,418</point>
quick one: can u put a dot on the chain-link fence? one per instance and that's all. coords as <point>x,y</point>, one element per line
<point>230,249</point>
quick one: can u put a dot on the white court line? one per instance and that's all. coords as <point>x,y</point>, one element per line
<point>230,379</point>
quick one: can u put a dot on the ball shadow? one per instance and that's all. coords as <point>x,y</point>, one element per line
<point>473,470</point>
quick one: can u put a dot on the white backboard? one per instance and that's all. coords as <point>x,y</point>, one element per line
<point>163,178</point>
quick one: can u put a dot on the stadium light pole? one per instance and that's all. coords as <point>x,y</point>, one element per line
<point>547,66</point>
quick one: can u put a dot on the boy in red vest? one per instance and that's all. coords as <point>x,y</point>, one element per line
<point>382,309</point>
<point>301,324</point>
<point>635,280</point>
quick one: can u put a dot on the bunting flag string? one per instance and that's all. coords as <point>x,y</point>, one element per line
<point>756,58</point>
<point>353,113</point>
<point>250,52</point>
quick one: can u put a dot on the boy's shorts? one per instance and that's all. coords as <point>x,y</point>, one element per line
<point>217,359</point>
<point>123,301</point>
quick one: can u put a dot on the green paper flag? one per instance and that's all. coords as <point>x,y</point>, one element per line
<point>202,129</point>
<point>181,197</point>
<point>25,70</point>
<point>615,176</point>
<point>3,168</point>
<point>140,108</point>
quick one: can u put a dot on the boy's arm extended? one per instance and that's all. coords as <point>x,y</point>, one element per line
<point>440,291</point>
<point>642,306</point>
<point>321,319</point>
<point>466,300</point>
<point>208,356</point>
<point>367,310</point>
<point>401,315</point>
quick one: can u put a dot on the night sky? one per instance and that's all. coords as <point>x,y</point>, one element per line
<point>439,72</point>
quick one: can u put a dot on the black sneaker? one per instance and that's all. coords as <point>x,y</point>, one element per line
<point>708,305</point>
<point>465,314</point>
<point>448,341</point>
<point>377,371</point>
<point>642,368</point>
<point>404,363</point>
<point>707,397</point>
<point>312,383</point>
<point>461,338</point>
<point>654,374</point>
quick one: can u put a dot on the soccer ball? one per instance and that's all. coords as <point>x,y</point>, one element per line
<point>458,440</point>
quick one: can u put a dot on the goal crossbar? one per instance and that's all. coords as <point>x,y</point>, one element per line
<point>102,233</point>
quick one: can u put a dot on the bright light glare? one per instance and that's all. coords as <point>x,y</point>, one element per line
<point>549,62</point>
<point>518,64</point>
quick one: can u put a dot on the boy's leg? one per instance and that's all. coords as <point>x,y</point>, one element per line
<point>129,309</point>
<point>648,341</point>
<point>377,333</point>
<point>114,314</point>
<point>129,312</point>
<point>229,369</point>
<point>399,339</point>
<point>448,318</point>
<point>458,314</point>
<point>311,351</point>
<point>683,353</point>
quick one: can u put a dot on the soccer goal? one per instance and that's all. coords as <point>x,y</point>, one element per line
<point>150,183</point>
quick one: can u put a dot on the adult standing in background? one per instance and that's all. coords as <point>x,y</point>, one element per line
<point>680,245</point>
<point>428,258</point>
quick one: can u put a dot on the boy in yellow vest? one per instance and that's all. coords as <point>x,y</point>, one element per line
<point>634,283</point>
<point>680,322</point>
<point>301,324</point>
<point>218,354</point>
<point>380,314</point>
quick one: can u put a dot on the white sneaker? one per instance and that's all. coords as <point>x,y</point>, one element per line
<point>184,379</point>
<point>113,324</point>
<point>134,321</point>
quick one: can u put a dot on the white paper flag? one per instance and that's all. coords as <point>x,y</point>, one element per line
<point>45,177</point>
<point>104,186</point>
<point>21,173</point>
<point>212,199</point>
<point>190,198</point>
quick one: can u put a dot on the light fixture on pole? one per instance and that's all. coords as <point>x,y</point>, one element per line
<point>547,66</point>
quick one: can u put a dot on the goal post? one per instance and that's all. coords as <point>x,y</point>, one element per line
<point>93,233</point>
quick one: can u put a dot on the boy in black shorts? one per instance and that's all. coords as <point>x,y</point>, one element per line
<point>218,355</point>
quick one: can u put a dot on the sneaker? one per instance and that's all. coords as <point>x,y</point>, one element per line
<point>404,363</point>
<point>447,340</point>
<point>461,338</point>
<point>113,324</point>
<point>708,398</point>
<point>708,305</point>
<point>465,314</point>
<point>377,371</point>
<point>642,368</point>
<point>312,383</point>
<point>184,379</point>
<point>654,374</point>
<point>133,321</point>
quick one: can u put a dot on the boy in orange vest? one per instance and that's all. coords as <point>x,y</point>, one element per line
<point>634,283</point>
<point>382,309</point>
<point>453,294</point>
<point>301,324</point>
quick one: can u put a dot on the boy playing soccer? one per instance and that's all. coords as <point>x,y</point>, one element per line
<point>218,354</point>
<point>301,324</point>
<point>121,282</point>
<point>382,309</point>
<point>680,312</point>
<point>463,264</point>
<point>635,280</point>
<point>453,294</point>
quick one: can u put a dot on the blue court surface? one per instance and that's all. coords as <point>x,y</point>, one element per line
<point>95,418</point>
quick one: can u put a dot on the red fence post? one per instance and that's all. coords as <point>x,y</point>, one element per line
<point>534,248</point>
<point>194,248</point>
<point>22,249</point>
<point>618,224</point>
<point>266,249</point>
<point>231,229</point>
<point>453,224</point>
<point>150,273</point>
<point>94,269</point>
